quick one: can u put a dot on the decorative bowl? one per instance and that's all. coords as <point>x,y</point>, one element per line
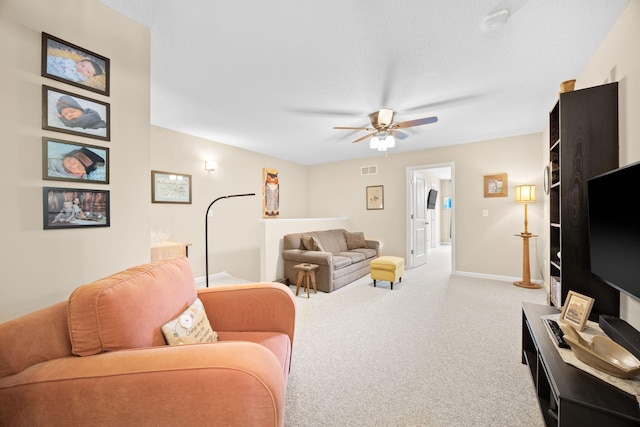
<point>158,237</point>
<point>602,353</point>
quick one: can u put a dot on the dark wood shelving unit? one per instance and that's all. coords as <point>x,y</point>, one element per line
<point>583,143</point>
<point>569,397</point>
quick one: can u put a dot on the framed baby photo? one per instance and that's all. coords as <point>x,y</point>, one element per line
<point>74,65</point>
<point>74,208</point>
<point>73,161</point>
<point>74,114</point>
<point>576,310</point>
<point>170,187</point>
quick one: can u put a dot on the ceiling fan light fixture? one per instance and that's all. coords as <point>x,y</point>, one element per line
<point>390,141</point>
<point>374,143</point>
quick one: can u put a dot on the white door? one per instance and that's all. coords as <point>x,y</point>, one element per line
<point>419,221</point>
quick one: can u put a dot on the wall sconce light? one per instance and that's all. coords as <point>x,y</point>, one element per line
<point>210,165</point>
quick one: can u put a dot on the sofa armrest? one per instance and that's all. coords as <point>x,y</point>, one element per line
<point>254,307</point>
<point>224,383</point>
<point>313,257</point>
<point>374,244</point>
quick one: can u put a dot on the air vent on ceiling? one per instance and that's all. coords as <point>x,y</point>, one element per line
<point>369,170</point>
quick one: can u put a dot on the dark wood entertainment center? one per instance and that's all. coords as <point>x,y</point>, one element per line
<point>583,143</point>
<point>568,396</point>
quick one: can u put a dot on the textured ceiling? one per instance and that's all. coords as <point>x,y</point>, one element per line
<point>275,76</point>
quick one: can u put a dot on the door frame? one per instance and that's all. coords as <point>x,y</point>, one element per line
<point>410,201</point>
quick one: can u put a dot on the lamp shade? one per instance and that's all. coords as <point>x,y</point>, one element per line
<point>525,193</point>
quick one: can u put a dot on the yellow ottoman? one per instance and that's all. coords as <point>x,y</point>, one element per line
<point>388,268</point>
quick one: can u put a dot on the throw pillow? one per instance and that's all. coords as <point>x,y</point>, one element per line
<point>355,240</point>
<point>310,243</point>
<point>191,327</point>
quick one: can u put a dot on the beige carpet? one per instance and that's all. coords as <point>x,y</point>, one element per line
<point>438,350</point>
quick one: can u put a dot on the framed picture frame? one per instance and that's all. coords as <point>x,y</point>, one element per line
<point>576,309</point>
<point>170,187</point>
<point>71,64</point>
<point>495,185</point>
<point>375,197</point>
<point>75,208</point>
<point>270,193</point>
<point>73,161</point>
<point>74,114</point>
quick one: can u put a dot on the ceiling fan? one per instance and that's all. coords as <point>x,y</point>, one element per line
<point>384,131</point>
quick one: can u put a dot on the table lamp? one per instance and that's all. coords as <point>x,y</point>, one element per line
<point>526,194</point>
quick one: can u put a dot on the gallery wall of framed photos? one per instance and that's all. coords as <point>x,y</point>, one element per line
<point>78,116</point>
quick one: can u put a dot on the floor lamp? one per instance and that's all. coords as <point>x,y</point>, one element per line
<point>206,231</point>
<point>526,194</point>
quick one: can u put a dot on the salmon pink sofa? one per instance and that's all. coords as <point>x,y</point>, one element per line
<point>101,358</point>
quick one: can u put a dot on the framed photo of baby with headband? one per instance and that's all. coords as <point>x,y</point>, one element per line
<point>74,65</point>
<point>67,112</point>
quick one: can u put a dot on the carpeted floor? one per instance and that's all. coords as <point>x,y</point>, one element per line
<point>438,350</point>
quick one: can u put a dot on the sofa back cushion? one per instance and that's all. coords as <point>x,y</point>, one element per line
<point>127,309</point>
<point>331,240</point>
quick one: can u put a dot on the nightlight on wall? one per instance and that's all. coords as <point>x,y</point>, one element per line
<point>210,165</point>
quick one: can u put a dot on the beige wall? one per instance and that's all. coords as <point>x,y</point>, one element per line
<point>235,229</point>
<point>483,245</point>
<point>39,267</point>
<point>618,59</point>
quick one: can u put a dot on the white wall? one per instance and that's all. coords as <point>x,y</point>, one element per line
<point>618,59</point>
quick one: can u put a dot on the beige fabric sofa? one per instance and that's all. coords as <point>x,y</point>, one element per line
<point>338,264</point>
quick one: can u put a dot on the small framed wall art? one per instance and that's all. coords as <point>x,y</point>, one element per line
<point>73,161</point>
<point>74,65</point>
<point>270,193</point>
<point>75,208</point>
<point>375,197</point>
<point>170,187</point>
<point>66,112</point>
<point>576,309</point>
<point>495,185</point>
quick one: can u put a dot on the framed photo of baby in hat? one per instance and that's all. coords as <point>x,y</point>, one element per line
<point>74,114</point>
<point>73,161</point>
<point>74,65</point>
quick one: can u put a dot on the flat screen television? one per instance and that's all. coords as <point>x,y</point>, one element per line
<point>614,228</point>
<point>431,199</point>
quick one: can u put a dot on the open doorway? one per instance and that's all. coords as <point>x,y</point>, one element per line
<point>429,227</point>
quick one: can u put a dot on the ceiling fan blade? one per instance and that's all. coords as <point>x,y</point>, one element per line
<point>398,135</point>
<point>351,128</point>
<point>365,137</point>
<point>442,103</point>
<point>416,122</point>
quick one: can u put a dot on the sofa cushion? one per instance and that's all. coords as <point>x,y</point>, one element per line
<point>352,255</point>
<point>310,243</point>
<point>191,327</point>
<point>127,309</point>
<point>355,240</point>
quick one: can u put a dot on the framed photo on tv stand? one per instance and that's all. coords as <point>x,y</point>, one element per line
<point>576,309</point>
